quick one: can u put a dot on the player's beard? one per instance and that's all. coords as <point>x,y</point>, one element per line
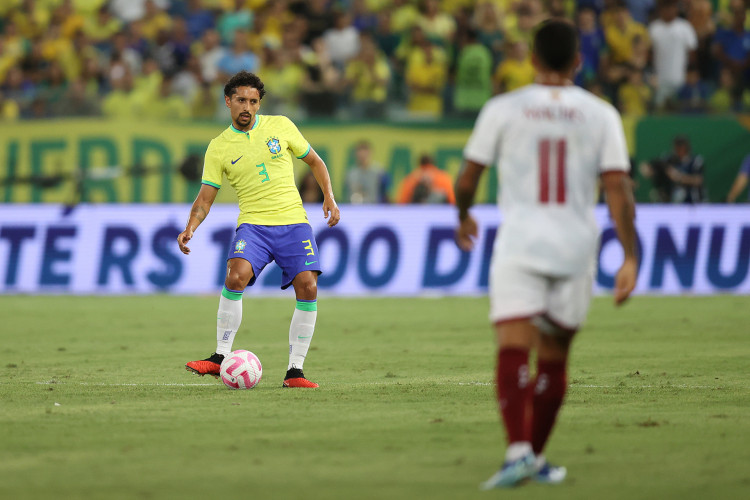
<point>244,120</point>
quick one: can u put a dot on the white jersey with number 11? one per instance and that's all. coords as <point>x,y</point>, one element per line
<point>550,145</point>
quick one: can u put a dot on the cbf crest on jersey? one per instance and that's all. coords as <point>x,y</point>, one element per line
<point>274,146</point>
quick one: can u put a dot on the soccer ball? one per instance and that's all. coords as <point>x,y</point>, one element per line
<point>241,370</point>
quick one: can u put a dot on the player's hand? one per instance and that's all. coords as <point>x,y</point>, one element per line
<point>625,280</point>
<point>331,211</point>
<point>182,240</point>
<point>466,233</point>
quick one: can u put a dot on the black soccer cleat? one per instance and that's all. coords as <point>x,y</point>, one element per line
<point>295,378</point>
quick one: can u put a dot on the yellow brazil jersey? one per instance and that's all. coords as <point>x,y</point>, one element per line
<point>258,165</point>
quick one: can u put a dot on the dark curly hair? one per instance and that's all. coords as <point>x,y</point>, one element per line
<point>244,79</point>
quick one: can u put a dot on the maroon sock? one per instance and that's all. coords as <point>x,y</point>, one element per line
<point>513,390</point>
<point>549,391</point>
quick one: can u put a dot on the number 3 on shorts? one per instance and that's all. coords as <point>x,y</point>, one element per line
<point>309,247</point>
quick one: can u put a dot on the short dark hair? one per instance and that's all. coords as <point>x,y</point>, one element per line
<point>244,79</point>
<point>556,44</point>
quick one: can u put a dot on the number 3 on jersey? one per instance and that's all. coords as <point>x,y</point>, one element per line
<point>552,182</point>
<point>263,173</point>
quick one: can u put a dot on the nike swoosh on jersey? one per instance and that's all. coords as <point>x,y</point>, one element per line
<point>308,263</point>
<point>238,159</point>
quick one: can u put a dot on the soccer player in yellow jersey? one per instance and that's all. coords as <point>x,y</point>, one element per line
<point>255,154</point>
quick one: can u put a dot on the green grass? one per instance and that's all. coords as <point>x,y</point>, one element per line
<point>658,407</point>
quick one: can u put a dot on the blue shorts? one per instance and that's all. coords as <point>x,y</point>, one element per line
<point>293,248</point>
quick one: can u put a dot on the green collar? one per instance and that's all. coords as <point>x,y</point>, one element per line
<point>255,125</point>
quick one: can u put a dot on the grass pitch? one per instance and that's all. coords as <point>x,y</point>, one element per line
<point>95,402</point>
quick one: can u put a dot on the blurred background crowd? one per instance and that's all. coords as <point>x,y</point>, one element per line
<point>359,59</point>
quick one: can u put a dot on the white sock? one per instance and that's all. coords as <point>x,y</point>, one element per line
<point>517,450</point>
<point>228,320</point>
<point>301,331</point>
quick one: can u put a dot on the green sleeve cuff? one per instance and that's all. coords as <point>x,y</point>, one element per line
<point>217,186</point>
<point>306,152</point>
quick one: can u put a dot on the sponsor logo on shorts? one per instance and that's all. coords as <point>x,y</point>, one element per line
<point>312,262</point>
<point>239,247</point>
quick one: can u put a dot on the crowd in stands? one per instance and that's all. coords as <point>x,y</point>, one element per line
<point>396,59</point>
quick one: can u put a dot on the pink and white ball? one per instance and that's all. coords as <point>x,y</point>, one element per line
<point>241,370</point>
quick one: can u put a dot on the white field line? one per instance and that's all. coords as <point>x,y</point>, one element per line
<point>217,384</point>
<point>676,386</point>
<point>155,384</point>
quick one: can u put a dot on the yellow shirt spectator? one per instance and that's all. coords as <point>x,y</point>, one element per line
<point>153,25</point>
<point>285,78</point>
<point>12,49</point>
<point>452,6</point>
<point>31,25</point>
<point>88,7</point>
<point>12,44</point>
<point>228,5</point>
<point>512,74</point>
<point>404,17</point>
<point>367,79</point>
<point>8,5</point>
<point>515,71</point>
<point>204,103</point>
<point>8,110</point>
<point>54,45</point>
<point>147,84</point>
<point>72,24</point>
<point>6,62</point>
<point>621,33</point>
<point>167,108</point>
<point>439,27</point>
<point>426,74</point>
<point>634,97</point>
<point>118,104</point>
<point>101,27</point>
<point>377,5</point>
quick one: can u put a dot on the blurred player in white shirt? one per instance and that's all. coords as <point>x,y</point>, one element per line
<point>552,142</point>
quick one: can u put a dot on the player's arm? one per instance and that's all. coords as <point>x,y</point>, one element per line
<point>466,188</point>
<point>619,194</point>
<point>320,171</point>
<point>198,213</point>
<point>675,175</point>
<point>739,184</point>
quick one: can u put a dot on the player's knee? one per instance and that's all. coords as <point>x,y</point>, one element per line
<point>555,346</point>
<point>237,280</point>
<point>306,286</point>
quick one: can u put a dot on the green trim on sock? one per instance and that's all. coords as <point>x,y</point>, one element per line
<point>230,294</point>
<point>307,306</point>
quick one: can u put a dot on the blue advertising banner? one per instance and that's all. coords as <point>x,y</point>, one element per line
<point>375,250</point>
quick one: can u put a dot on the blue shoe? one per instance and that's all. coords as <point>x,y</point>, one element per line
<point>550,474</point>
<point>512,473</point>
